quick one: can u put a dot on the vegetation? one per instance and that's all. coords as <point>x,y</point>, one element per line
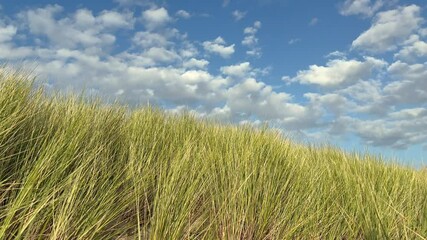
<point>70,169</point>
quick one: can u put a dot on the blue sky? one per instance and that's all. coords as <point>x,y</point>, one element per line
<point>348,72</point>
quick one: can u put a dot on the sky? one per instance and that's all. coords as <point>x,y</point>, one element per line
<point>351,73</point>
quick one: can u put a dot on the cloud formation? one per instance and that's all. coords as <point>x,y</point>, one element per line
<point>366,8</point>
<point>338,72</point>
<point>218,46</point>
<point>375,90</point>
<point>389,29</point>
<point>251,41</point>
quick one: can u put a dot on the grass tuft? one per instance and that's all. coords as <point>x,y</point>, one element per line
<point>71,169</point>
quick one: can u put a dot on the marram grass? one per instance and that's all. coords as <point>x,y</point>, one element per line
<point>70,169</point>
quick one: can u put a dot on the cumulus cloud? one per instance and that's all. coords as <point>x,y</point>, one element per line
<point>81,29</point>
<point>150,39</point>
<point>389,29</point>
<point>7,33</point>
<point>365,8</point>
<point>195,63</point>
<point>239,70</point>
<point>256,99</point>
<point>414,50</point>
<point>251,41</point>
<point>410,85</point>
<point>159,55</point>
<point>238,15</point>
<point>333,103</point>
<point>158,67</point>
<point>398,130</point>
<point>369,97</point>
<point>396,116</point>
<point>156,17</point>
<point>218,46</point>
<point>338,72</point>
<point>183,14</point>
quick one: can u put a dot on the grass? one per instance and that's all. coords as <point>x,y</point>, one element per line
<point>73,169</point>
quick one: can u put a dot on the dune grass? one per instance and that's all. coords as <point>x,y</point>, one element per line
<point>70,169</point>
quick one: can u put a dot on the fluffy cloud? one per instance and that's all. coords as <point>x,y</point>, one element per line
<point>365,8</point>
<point>81,29</point>
<point>367,97</point>
<point>331,102</point>
<point>410,85</point>
<point>195,63</point>
<point>251,41</point>
<point>399,129</point>
<point>150,39</point>
<point>156,17</point>
<point>414,50</point>
<point>389,29</point>
<point>239,70</point>
<point>183,14</point>
<point>256,99</point>
<point>218,46</point>
<point>7,33</point>
<point>339,72</point>
<point>8,50</point>
<point>161,55</point>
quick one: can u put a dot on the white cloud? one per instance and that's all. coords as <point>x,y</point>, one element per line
<point>338,72</point>
<point>10,52</point>
<point>399,130</point>
<point>251,41</point>
<point>365,8</point>
<point>129,3</point>
<point>336,55</point>
<point>254,29</point>
<point>188,50</point>
<point>410,85</point>
<point>369,97</point>
<point>81,29</point>
<point>112,19</point>
<point>161,55</point>
<point>7,33</point>
<point>218,46</point>
<point>239,70</point>
<point>413,52</point>
<point>238,15</point>
<point>331,102</point>
<point>150,39</point>
<point>389,29</point>
<point>254,97</point>
<point>155,18</point>
<point>183,14</point>
<point>195,63</point>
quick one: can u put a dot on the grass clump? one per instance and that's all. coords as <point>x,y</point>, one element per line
<point>76,170</point>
